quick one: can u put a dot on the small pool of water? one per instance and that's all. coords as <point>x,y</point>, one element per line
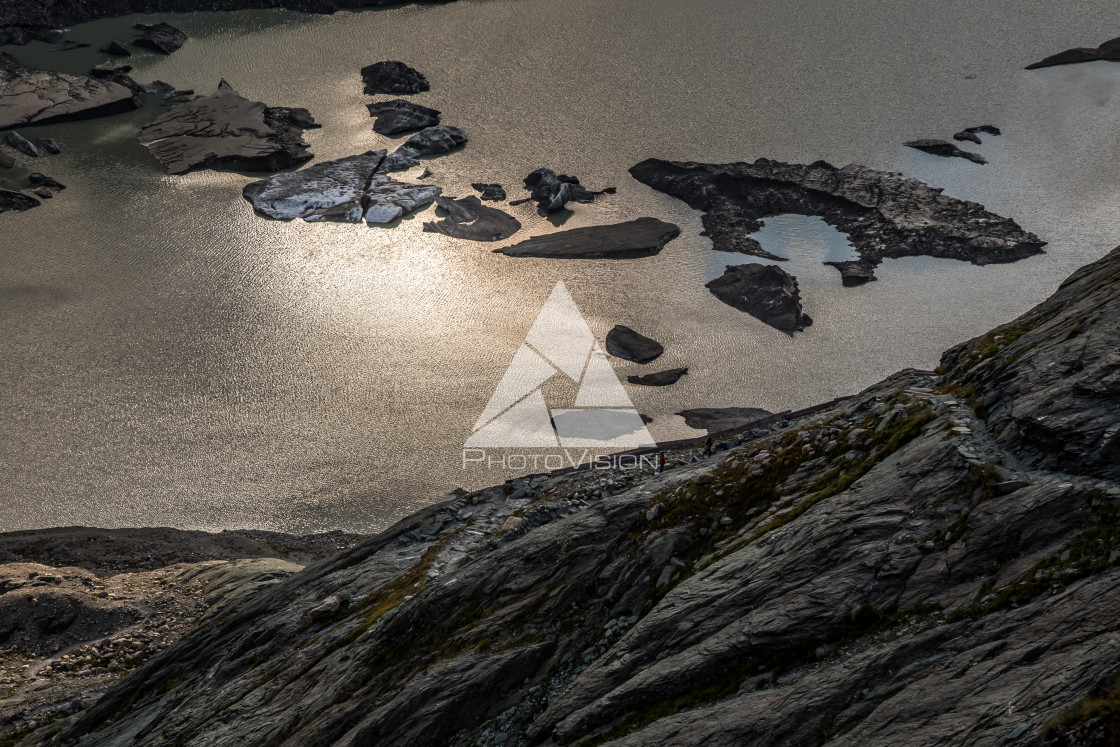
<point>806,242</point>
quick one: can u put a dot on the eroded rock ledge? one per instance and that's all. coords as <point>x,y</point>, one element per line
<point>29,96</point>
<point>884,214</point>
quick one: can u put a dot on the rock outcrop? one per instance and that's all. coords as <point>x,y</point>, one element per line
<point>552,191</point>
<point>345,190</point>
<point>643,237</point>
<point>397,116</point>
<point>393,77</point>
<point>224,131</point>
<point>920,563</point>
<point>469,219</point>
<point>29,96</point>
<point>160,37</point>
<point>623,342</point>
<point>766,292</point>
<point>884,214</point>
<point>945,149</point>
<point>1107,52</point>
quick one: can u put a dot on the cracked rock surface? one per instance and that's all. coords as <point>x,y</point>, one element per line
<point>30,96</point>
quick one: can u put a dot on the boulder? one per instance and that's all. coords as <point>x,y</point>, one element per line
<point>393,77</point>
<point>469,219</point>
<point>1108,52</point>
<point>552,191</point>
<point>115,47</point>
<point>945,149</point>
<point>22,144</point>
<point>661,378</point>
<point>623,342</point>
<point>766,292</point>
<point>854,273</point>
<point>29,96</point>
<point>42,180</point>
<point>491,192</point>
<point>161,37</point>
<point>643,237</point>
<point>224,131</point>
<point>397,116</point>
<point>47,145</point>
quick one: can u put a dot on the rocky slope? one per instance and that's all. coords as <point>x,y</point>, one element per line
<point>932,561</point>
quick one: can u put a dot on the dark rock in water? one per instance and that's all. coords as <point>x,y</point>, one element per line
<point>68,46</point>
<point>345,190</point>
<point>110,69</point>
<point>965,135</point>
<point>945,149</point>
<point>22,144</point>
<point>42,180</point>
<point>29,96</point>
<point>492,192</point>
<point>162,37</point>
<point>469,219</point>
<point>224,131</point>
<point>972,134</point>
<point>393,77</point>
<point>397,116</point>
<point>17,201</point>
<point>766,292</point>
<point>22,34</point>
<point>158,86</point>
<point>552,191</point>
<point>43,192</point>
<point>643,237</point>
<point>1107,52</point>
<point>115,47</point>
<point>623,342</point>
<point>854,273</point>
<point>47,145</point>
<point>884,214</point>
<point>718,419</point>
<point>425,174</point>
<point>429,141</point>
<point>661,378</point>
<point>6,161</point>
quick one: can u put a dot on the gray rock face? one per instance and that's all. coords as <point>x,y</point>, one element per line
<point>884,214</point>
<point>160,37</point>
<point>766,292</point>
<point>643,237</point>
<point>224,131</point>
<point>719,419</point>
<point>345,190</point>
<point>393,77</point>
<point>891,569</point>
<point>469,219</point>
<point>661,378</point>
<point>1108,52</point>
<point>29,96</point>
<point>945,149</point>
<point>623,342</point>
<point>397,116</point>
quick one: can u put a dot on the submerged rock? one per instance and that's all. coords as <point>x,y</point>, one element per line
<point>884,214</point>
<point>42,180</point>
<point>115,47</point>
<point>22,144</point>
<point>643,237</point>
<point>552,191</point>
<point>397,116</point>
<point>29,96</point>
<point>491,192</point>
<point>69,46</point>
<point>718,419</point>
<point>469,219</point>
<point>345,190</point>
<point>945,149</point>
<point>161,37</point>
<point>16,201</point>
<point>393,77</point>
<point>661,378</point>
<point>1107,52</point>
<point>623,342</point>
<point>766,292</point>
<point>224,131</point>
<point>971,134</point>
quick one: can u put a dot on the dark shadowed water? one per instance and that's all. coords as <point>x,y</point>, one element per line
<point>170,358</point>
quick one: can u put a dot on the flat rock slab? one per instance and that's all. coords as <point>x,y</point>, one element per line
<point>428,142</point>
<point>1107,52</point>
<point>623,342</point>
<point>16,201</point>
<point>661,378</point>
<point>766,292</point>
<point>397,116</point>
<point>884,214</point>
<point>224,131</point>
<point>643,237</point>
<point>160,37</point>
<point>717,419</point>
<point>29,96</point>
<point>945,149</point>
<point>469,219</point>
<point>345,190</point>
<point>393,77</point>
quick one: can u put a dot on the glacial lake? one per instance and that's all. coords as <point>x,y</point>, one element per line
<point>170,358</point>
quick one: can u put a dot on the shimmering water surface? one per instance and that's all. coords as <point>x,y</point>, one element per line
<point>171,359</point>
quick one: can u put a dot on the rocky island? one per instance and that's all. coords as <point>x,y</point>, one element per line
<point>29,96</point>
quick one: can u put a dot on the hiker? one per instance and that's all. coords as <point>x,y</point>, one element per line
<point>708,447</point>
<point>661,462</point>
